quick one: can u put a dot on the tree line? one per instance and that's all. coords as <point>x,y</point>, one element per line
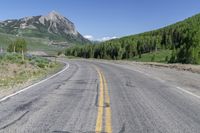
<point>182,38</point>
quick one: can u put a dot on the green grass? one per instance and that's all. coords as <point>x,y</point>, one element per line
<point>33,44</point>
<point>159,56</point>
<point>72,57</point>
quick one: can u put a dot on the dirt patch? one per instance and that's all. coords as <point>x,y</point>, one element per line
<point>182,67</point>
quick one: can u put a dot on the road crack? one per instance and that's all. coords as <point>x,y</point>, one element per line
<point>13,122</point>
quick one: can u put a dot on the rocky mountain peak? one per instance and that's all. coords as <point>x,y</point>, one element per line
<point>58,23</point>
<point>53,26</point>
<point>53,15</point>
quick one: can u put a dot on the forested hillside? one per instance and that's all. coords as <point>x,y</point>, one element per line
<point>182,39</point>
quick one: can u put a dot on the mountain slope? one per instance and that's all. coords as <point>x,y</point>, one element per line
<point>54,27</point>
<point>182,39</point>
<point>33,44</point>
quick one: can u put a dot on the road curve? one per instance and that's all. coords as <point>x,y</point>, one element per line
<point>98,96</point>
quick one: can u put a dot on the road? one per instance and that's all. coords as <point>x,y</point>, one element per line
<point>98,96</point>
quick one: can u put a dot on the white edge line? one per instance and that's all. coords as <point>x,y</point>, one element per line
<point>190,93</point>
<point>179,88</point>
<point>27,88</point>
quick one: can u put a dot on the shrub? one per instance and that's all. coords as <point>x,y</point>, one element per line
<point>153,58</point>
<point>41,65</point>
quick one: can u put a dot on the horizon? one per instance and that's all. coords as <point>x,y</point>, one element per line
<point>100,20</point>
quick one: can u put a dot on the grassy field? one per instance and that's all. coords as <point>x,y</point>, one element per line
<point>160,56</point>
<point>15,72</point>
<point>33,44</point>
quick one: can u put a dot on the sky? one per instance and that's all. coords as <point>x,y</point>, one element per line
<point>105,19</point>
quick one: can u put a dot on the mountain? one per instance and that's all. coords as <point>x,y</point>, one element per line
<point>53,26</point>
<point>176,43</point>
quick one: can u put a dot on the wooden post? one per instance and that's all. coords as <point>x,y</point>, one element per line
<point>22,55</point>
<point>14,49</point>
<point>55,59</point>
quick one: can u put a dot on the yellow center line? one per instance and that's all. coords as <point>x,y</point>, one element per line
<point>99,121</point>
<point>103,89</point>
<point>108,124</point>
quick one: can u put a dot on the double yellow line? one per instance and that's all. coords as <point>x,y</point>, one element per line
<point>103,121</point>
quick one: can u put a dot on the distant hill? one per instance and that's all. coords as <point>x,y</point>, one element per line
<point>54,27</point>
<point>181,41</point>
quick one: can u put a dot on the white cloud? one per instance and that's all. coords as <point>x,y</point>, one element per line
<point>107,38</point>
<point>90,37</point>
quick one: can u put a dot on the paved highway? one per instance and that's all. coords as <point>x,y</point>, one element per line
<point>100,97</point>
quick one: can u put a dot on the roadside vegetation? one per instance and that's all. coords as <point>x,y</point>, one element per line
<point>161,56</point>
<point>182,39</point>
<point>17,68</point>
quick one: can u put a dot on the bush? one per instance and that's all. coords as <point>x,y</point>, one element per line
<point>153,58</point>
<point>40,62</point>
<point>12,57</point>
<point>41,65</point>
<point>167,59</point>
<point>59,53</point>
<point>33,60</point>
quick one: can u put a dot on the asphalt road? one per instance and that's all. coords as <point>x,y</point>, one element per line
<point>98,96</point>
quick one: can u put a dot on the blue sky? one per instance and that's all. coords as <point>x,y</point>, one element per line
<point>106,18</point>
